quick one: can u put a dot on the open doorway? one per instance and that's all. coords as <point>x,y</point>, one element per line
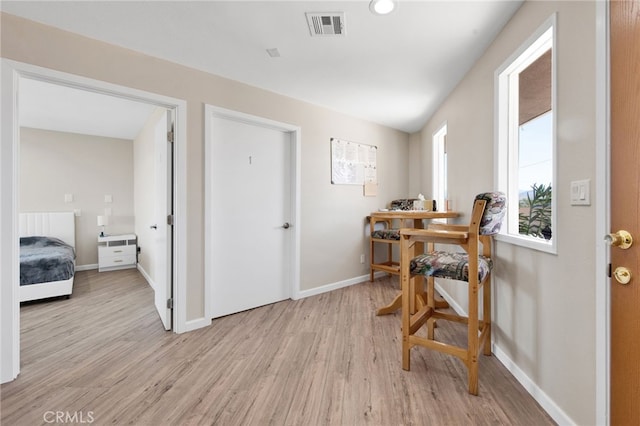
<point>106,159</point>
<point>19,74</point>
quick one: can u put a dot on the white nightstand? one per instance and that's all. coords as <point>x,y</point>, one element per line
<point>117,252</point>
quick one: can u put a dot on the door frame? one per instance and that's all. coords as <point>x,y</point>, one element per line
<point>211,111</point>
<point>602,213</point>
<point>11,73</point>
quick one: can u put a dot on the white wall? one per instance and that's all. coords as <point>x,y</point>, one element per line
<point>332,216</point>
<point>53,164</point>
<point>544,316</point>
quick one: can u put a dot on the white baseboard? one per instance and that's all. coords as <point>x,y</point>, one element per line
<point>146,276</point>
<point>450,300</point>
<point>87,267</point>
<point>556,413</point>
<point>189,325</point>
<point>335,286</point>
<point>195,324</point>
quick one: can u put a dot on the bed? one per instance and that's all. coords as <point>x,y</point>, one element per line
<point>47,255</point>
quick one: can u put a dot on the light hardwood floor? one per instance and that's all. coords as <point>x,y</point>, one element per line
<point>324,360</point>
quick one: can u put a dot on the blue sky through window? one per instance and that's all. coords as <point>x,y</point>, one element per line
<point>535,152</point>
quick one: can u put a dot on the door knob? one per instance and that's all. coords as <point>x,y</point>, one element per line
<point>622,275</point>
<point>286,225</point>
<point>154,227</point>
<point>622,239</point>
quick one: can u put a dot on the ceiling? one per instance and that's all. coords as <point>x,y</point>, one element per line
<point>394,70</point>
<point>64,109</point>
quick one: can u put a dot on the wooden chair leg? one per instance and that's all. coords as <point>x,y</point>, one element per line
<point>406,354</point>
<point>472,333</point>
<point>486,315</point>
<point>372,258</point>
<point>407,286</point>
<point>473,375</point>
<point>431,302</point>
<point>407,295</point>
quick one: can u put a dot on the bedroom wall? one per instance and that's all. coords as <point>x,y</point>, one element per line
<point>53,164</point>
<point>143,193</point>
<point>544,317</point>
<point>332,216</point>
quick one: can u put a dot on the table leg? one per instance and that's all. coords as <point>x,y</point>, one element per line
<point>391,307</point>
<point>420,299</point>
<point>420,302</point>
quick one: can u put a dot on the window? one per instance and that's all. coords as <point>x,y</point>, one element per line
<point>525,141</point>
<point>440,166</point>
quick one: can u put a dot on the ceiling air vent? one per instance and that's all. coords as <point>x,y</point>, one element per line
<point>326,23</point>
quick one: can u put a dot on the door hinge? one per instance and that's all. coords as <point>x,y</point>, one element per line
<point>170,303</point>
<point>170,220</point>
<point>170,136</point>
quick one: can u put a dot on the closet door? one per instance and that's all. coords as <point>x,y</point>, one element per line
<point>250,215</point>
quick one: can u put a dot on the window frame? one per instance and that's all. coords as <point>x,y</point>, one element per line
<point>439,165</point>
<point>505,144</point>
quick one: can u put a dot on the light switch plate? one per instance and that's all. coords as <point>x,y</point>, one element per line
<point>77,212</point>
<point>68,198</point>
<point>108,199</point>
<point>581,192</point>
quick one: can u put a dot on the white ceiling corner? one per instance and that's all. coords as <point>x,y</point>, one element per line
<point>394,70</point>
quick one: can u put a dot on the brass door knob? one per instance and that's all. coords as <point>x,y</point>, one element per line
<point>622,239</point>
<point>622,275</point>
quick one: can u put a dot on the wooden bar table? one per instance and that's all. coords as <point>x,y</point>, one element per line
<point>408,219</point>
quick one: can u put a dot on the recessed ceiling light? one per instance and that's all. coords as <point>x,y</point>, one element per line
<point>274,53</point>
<point>382,7</point>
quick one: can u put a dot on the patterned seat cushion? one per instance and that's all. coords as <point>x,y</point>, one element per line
<point>494,212</point>
<point>386,234</point>
<point>452,265</point>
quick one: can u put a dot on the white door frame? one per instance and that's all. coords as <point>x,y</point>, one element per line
<point>210,112</point>
<point>603,217</point>
<point>11,73</point>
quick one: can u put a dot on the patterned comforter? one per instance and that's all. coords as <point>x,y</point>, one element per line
<point>45,259</point>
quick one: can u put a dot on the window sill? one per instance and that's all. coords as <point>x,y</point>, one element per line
<point>528,242</point>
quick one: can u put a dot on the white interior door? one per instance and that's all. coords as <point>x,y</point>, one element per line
<point>250,215</point>
<point>163,208</point>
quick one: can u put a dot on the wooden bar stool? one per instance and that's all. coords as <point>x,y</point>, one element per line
<point>473,266</point>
